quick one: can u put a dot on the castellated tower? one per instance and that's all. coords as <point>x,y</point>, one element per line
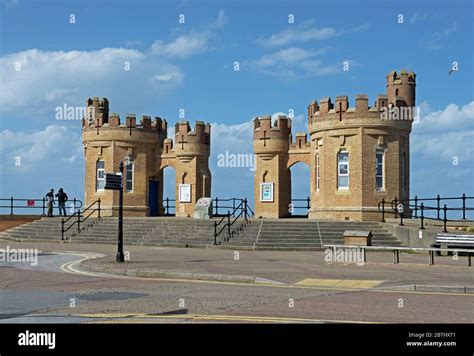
<point>146,151</point>
<point>357,155</point>
<point>361,154</point>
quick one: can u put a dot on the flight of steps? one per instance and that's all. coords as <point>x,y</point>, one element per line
<point>258,234</point>
<point>300,235</point>
<point>150,231</point>
<point>44,229</point>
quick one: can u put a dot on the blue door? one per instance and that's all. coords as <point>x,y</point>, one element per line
<point>153,197</point>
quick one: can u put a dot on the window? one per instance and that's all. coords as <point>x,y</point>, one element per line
<point>404,168</point>
<point>343,170</point>
<point>129,176</point>
<point>318,167</point>
<point>100,175</point>
<point>379,170</point>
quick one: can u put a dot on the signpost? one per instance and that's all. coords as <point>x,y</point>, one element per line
<point>114,182</point>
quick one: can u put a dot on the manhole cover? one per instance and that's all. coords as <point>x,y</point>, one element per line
<point>112,296</point>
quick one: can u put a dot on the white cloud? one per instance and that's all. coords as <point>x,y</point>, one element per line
<point>438,39</point>
<point>40,150</point>
<point>293,63</point>
<point>452,117</point>
<point>51,78</point>
<point>183,46</point>
<point>304,33</point>
<point>444,134</point>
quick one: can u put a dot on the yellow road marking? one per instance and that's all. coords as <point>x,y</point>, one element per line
<point>131,317</point>
<point>336,283</point>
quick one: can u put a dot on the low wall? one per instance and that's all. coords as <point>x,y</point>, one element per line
<point>410,235</point>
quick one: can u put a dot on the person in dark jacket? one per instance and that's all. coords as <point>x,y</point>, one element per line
<point>50,200</point>
<point>62,199</point>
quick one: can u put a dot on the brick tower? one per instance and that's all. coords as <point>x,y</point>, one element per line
<point>146,151</point>
<point>357,155</point>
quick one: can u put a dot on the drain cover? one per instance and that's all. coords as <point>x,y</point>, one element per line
<point>112,296</point>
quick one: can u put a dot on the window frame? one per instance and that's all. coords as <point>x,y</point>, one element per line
<point>339,175</point>
<point>129,162</point>
<point>97,179</point>
<point>382,175</point>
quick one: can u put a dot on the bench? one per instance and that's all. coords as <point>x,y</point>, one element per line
<point>457,241</point>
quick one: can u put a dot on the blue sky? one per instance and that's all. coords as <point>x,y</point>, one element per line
<point>190,66</point>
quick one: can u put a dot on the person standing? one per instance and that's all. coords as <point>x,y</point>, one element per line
<point>62,199</point>
<point>50,200</point>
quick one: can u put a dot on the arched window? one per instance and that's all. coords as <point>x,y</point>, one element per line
<point>129,175</point>
<point>100,175</point>
<point>318,172</point>
<point>404,171</point>
<point>343,170</point>
<point>379,169</point>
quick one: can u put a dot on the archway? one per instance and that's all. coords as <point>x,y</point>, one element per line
<point>169,191</point>
<point>300,190</point>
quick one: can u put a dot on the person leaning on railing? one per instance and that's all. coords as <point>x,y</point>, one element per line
<point>62,199</point>
<point>50,200</point>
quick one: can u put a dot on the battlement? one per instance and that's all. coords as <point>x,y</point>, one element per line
<point>200,135</point>
<point>301,142</point>
<point>98,117</point>
<point>264,128</point>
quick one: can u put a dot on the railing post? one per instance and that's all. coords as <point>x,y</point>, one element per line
<point>75,207</point>
<point>99,207</point>
<point>394,206</point>
<point>233,206</point>
<point>62,229</point>
<point>228,224</point>
<point>438,199</point>
<point>245,209</point>
<point>383,210</point>
<point>217,206</point>
<point>44,205</point>
<point>78,220</point>
<point>308,205</point>
<point>215,233</point>
<point>464,206</point>
<point>445,219</point>
<point>431,257</point>
<point>422,208</point>
<point>416,206</point>
<point>401,219</point>
<point>11,206</point>
<point>167,206</point>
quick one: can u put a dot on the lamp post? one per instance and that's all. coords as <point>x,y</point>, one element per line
<point>120,256</point>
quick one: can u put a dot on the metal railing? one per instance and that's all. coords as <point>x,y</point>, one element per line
<point>79,217</point>
<point>306,206</point>
<point>421,208</point>
<point>217,206</point>
<point>167,207</point>
<point>396,251</point>
<point>33,204</point>
<point>241,210</point>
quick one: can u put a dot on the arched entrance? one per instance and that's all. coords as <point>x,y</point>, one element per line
<point>169,191</point>
<point>300,190</point>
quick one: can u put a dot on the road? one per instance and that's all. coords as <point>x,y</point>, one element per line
<point>58,291</point>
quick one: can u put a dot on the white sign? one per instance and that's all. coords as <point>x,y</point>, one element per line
<point>185,193</point>
<point>266,192</point>
<point>400,208</point>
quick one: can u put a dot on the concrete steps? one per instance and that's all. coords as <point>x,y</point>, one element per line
<point>297,235</point>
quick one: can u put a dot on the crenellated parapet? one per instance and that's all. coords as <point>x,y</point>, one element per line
<point>192,142</point>
<point>271,137</point>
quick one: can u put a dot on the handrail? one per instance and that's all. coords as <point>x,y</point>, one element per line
<point>307,206</point>
<point>31,204</point>
<point>78,217</point>
<point>415,209</point>
<point>244,210</point>
<point>216,205</point>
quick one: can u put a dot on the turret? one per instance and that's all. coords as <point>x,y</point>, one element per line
<point>401,87</point>
<point>271,138</point>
